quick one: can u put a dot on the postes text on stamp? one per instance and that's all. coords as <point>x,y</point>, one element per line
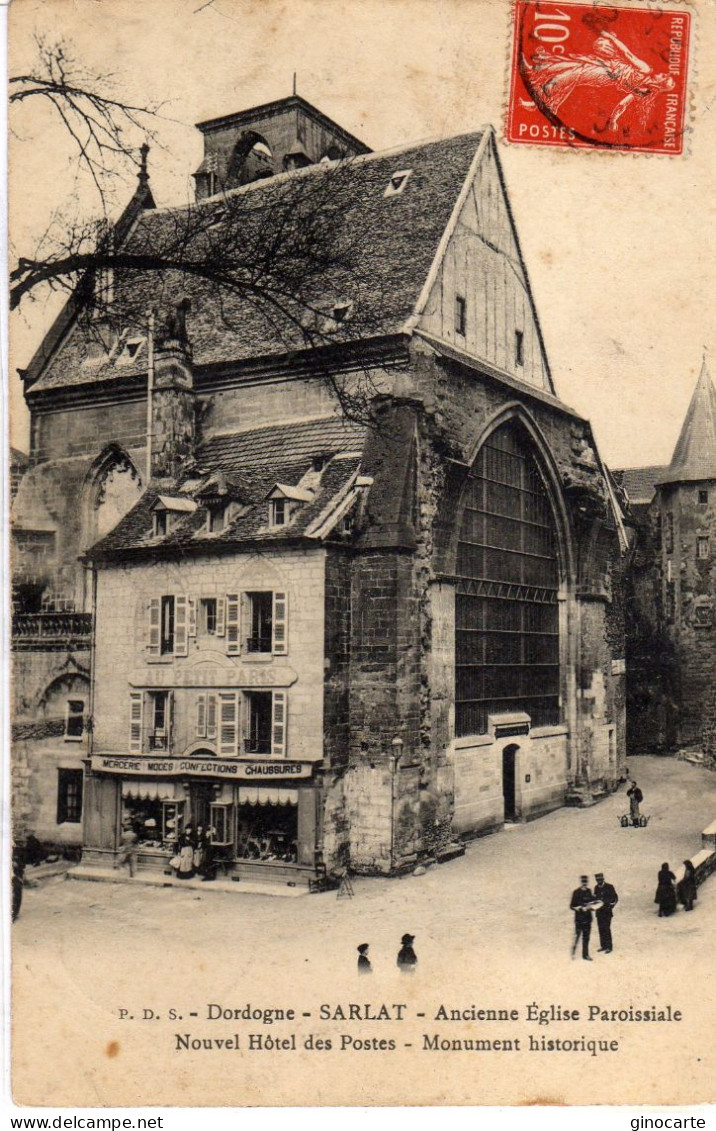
<point>599,76</point>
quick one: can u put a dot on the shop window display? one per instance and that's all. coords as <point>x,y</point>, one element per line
<point>157,823</point>
<point>267,832</point>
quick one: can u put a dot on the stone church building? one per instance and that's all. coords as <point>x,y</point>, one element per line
<point>334,638</point>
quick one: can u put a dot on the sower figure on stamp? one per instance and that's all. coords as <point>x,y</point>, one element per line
<point>607,895</point>
<point>582,904</point>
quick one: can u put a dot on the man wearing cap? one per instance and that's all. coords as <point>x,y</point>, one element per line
<point>581,905</point>
<point>606,894</point>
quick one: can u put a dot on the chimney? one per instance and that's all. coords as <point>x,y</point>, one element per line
<point>173,418</point>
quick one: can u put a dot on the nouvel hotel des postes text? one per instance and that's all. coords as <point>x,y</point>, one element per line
<point>336,641</point>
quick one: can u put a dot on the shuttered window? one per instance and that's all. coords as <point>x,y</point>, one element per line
<point>201,716</point>
<point>206,715</point>
<point>280,623</point>
<point>228,723</point>
<point>136,719</point>
<point>233,617</point>
<point>278,727</point>
<point>181,625</point>
<point>153,627</point>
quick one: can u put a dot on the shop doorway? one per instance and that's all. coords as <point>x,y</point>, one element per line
<point>509,782</point>
<point>201,795</point>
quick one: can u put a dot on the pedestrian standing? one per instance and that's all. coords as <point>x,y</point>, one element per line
<point>184,854</point>
<point>686,887</point>
<point>635,799</point>
<point>407,958</point>
<point>666,891</point>
<point>581,904</point>
<point>128,841</point>
<point>364,966</point>
<point>18,878</point>
<point>606,894</point>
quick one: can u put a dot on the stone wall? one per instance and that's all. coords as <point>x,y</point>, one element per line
<point>672,656</point>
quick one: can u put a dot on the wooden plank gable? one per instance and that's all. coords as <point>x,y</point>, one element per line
<point>480,300</point>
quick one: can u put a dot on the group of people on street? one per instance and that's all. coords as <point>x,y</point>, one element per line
<point>194,854</point>
<point>602,901</point>
<point>669,893</point>
<point>407,958</point>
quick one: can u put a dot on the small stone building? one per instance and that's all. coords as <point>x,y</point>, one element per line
<point>671,636</point>
<point>338,639</point>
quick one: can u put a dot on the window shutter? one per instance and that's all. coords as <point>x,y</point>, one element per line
<point>233,640</point>
<point>169,719</point>
<point>181,640</point>
<point>153,627</point>
<point>278,723</point>
<point>192,607</point>
<point>228,723</point>
<point>201,716</point>
<point>136,718</point>
<point>220,616</point>
<point>280,623</point>
<point>211,712</point>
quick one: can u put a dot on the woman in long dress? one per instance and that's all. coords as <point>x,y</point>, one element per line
<point>185,852</point>
<point>666,891</point>
<point>686,887</point>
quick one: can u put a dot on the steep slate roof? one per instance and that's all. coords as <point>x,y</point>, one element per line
<point>639,482</point>
<point>694,456</point>
<point>283,443</point>
<point>385,246</point>
<point>257,459</point>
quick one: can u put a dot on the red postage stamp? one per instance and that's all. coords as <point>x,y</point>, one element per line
<point>599,76</point>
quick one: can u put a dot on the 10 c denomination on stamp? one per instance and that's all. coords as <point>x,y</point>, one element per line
<point>599,76</point>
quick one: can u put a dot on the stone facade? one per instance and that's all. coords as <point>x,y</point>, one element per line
<point>386,774</point>
<point>672,584</point>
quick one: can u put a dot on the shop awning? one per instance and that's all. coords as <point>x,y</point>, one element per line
<point>263,795</point>
<point>145,789</point>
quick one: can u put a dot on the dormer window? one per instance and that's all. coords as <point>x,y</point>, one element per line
<point>129,350</point>
<point>284,501</point>
<point>278,512</point>
<point>342,311</point>
<point>167,511</point>
<point>397,182</point>
<point>216,519</point>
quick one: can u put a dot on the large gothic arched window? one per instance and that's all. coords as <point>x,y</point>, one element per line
<point>506,617</point>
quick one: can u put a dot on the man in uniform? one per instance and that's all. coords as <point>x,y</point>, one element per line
<point>608,897</point>
<point>582,899</point>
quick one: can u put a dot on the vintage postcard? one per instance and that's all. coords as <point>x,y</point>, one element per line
<point>362,516</point>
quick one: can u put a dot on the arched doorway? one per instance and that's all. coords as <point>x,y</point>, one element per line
<point>507,653</point>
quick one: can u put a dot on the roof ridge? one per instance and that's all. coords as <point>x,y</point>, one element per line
<point>320,166</point>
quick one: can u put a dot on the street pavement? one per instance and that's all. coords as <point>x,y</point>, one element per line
<point>492,928</point>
